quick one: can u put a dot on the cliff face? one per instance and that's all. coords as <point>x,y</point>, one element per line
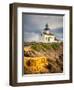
<point>43,58</point>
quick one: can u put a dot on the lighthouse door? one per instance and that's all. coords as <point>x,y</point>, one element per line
<point>48,38</point>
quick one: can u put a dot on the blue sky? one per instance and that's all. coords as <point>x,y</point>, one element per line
<point>34,24</point>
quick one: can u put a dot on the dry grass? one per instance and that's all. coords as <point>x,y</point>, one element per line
<point>43,58</point>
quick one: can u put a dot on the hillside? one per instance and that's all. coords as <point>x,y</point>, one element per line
<point>43,58</point>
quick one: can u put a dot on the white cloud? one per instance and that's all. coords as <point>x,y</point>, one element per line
<point>39,21</point>
<point>33,25</point>
<point>31,36</point>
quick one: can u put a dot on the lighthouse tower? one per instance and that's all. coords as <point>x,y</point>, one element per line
<point>47,36</point>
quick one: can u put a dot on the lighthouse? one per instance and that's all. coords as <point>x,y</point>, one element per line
<point>47,36</point>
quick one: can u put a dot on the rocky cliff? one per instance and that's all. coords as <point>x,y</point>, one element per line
<point>43,58</point>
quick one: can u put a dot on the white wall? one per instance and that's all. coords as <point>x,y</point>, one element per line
<point>4,46</point>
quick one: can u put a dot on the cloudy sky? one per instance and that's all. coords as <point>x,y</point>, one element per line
<point>34,24</point>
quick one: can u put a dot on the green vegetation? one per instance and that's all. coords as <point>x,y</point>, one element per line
<point>55,45</point>
<point>45,46</point>
<point>40,46</point>
<point>43,57</point>
<point>35,47</point>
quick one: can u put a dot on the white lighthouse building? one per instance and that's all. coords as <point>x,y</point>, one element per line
<point>47,36</point>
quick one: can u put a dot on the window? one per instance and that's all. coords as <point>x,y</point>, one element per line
<point>48,38</point>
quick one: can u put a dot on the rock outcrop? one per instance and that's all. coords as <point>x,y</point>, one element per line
<point>43,58</point>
